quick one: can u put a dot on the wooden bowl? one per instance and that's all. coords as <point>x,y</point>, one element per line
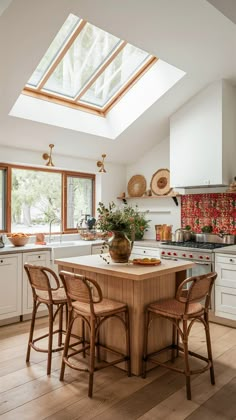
<point>18,240</point>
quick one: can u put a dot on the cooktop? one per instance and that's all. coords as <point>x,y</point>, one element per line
<point>192,244</point>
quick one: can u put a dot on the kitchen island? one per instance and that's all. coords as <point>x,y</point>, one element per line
<point>137,286</point>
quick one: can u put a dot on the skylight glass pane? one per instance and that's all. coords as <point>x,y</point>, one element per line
<point>121,69</point>
<point>84,57</point>
<point>58,42</point>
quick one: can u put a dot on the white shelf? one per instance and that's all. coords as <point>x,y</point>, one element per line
<point>173,196</point>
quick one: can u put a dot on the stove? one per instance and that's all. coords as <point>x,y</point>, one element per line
<point>200,253</point>
<point>190,250</point>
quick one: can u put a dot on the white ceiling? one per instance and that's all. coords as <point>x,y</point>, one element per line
<point>191,35</point>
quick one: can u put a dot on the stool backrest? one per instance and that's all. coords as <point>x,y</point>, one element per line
<point>39,279</point>
<point>196,289</point>
<point>81,289</point>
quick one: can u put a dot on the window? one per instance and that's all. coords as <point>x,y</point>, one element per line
<point>35,201</point>
<point>79,199</point>
<point>44,199</point>
<point>3,199</point>
<point>87,67</point>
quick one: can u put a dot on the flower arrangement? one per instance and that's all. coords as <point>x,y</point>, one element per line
<point>126,219</point>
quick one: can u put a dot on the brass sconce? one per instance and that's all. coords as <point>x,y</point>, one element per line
<point>100,164</point>
<point>49,156</point>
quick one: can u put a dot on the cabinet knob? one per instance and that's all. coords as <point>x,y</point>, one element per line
<point>231,260</point>
<point>1,261</point>
<point>39,256</point>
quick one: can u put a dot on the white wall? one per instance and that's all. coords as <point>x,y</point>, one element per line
<point>161,210</point>
<point>108,186</point>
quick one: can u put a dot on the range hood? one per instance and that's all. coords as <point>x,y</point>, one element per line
<point>203,139</point>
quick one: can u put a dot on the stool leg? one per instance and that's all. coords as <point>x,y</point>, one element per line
<point>50,338</point>
<point>66,345</point>
<point>209,351</point>
<point>174,336</point>
<point>186,361</point>
<point>83,336</point>
<point>31,330</point>
<point>145,342</point>
<point>127,324</point>
<point>177,338</point>
<point>91,357</point>
<point>60,325</point>
<point>98,341</point>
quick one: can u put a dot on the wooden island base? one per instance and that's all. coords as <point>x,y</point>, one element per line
<point>137,286</point>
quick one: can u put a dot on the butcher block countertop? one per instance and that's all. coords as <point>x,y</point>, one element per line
<point>94,263</point>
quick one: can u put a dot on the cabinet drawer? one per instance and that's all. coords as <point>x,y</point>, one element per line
<point>226,259</point>
<point>226,275</point>
<point>36,257</point>
<point>225,302</point>
<point>145,252</point>
<point>97,249</point>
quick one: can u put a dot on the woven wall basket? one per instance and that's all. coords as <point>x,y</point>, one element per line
<point>160,182</point>
<point>136,186</point>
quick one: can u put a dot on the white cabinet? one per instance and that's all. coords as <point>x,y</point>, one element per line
<point>143,251</point>
<point>225,286</point>
<point>202,138</point>
<point>10,285</point>
<point>35,258</point>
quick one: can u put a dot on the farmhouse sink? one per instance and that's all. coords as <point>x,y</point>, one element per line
<point>69,249</point>
<point>62,244</point>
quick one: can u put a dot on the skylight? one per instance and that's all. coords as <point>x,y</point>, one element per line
<point>88,68</point>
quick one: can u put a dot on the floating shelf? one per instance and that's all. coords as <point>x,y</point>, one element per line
<point>173,196</point>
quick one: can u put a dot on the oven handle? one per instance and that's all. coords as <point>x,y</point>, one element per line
<point>202,263</point>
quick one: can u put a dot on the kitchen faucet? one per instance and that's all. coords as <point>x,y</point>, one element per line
<point>50,229</point>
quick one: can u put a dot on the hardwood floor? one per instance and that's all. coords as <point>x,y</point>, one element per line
<point>26,392</point>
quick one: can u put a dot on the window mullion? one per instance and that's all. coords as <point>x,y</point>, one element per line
<point>100,70</point>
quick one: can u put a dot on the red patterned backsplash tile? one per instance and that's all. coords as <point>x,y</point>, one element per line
<point>216,210</point>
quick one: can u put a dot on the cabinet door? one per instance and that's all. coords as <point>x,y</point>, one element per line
<point>225,302</point>
<point>36,258</point>
<point>10,285</point>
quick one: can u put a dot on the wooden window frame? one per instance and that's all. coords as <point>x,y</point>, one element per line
<point>64,181</point>
<point>64,175</point>
<point>60,99</point>
<point>6,195</point>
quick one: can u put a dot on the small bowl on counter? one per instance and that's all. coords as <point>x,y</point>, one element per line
<point>87,234</point>
<point>20,239</point>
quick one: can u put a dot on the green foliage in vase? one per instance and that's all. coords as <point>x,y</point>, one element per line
<point>127,219</point>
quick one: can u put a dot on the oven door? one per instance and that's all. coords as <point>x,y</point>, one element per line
<point>199,269</point>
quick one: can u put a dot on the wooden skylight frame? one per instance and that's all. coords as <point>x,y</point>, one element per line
<point>58,98</point>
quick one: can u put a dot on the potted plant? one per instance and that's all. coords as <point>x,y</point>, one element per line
<point>125,219</point>
<point>126,224</point>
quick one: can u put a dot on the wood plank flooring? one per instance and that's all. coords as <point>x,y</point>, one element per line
<point>26,392</point>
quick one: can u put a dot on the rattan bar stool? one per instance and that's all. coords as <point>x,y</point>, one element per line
<point>46,290</point>
<point>86,302</point>
<point>190,304</point>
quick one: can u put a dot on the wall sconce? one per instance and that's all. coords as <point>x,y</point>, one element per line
<point>49,156</point>
<point>100,164</point>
